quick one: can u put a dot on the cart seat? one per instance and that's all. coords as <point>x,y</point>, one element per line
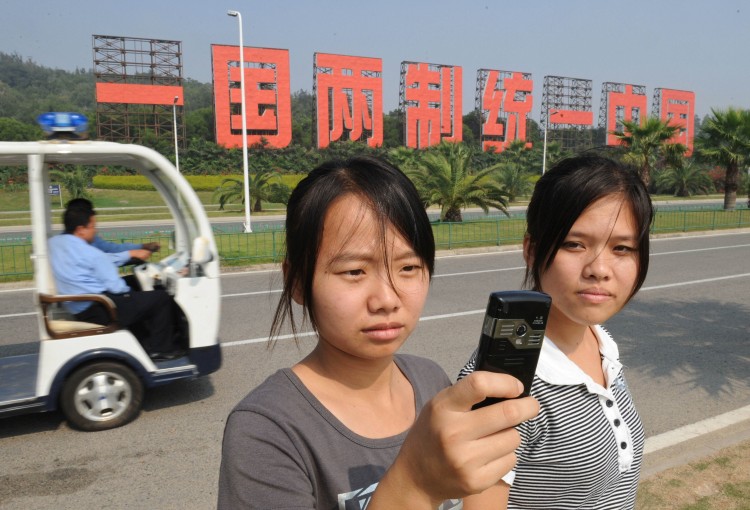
<point>62,325</point>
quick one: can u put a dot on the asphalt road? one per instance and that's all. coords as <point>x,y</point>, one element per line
<point>685,340</point>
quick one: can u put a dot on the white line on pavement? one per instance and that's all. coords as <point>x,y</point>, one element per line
<point>10,315</point>
<point>680,252</point>
<point>678,435</point>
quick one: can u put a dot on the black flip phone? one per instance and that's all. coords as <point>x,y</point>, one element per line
<point>512,336</point>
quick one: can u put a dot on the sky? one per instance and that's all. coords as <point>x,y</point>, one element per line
<point>696,45</point>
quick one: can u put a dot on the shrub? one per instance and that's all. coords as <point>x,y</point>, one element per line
<point>198,182</point>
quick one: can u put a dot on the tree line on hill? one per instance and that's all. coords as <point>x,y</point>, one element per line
<point>719,163</point>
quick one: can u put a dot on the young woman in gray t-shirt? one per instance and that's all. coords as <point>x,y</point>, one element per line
<point>355,424</point>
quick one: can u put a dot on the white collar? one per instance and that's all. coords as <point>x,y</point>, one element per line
<point>554,367</point>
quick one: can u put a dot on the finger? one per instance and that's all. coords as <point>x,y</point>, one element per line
<point>489,420</point>
<point>495,470</point>
<point>479,385</point>
<point>484,461</point>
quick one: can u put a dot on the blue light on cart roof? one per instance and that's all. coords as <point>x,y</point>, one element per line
<point>63,122</point>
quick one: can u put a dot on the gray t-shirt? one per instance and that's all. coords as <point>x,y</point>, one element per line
<point>283,450</point>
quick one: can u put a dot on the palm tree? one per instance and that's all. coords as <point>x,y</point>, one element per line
<point>725,140</point>
<point>684,180</point>
<point>514,179</point>
<point>512,172</point>
<point>445,178</point>
<point>260,188</point>
<point>75,181</point>
<point>405,157</point>
<point>555,153</point>
<point>644,142</point>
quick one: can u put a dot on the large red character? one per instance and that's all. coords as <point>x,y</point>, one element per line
<point>133,93</point>
<point>678,107</point>
<point>348,98</point>
<point>432,103</point>
<point>507,101</point>
<point>268,104</point>
<point>632,105</point>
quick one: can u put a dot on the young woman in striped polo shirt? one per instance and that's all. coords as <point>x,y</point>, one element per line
<point>587,246</point>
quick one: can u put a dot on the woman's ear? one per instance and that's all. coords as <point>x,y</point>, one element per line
<point>527,248</point>
<point>296,291</point>
<point>297,295</point>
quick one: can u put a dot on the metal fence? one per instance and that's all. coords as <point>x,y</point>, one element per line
<point>238,248</point>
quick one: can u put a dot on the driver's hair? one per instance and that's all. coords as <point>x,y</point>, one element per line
<point>76,217</point>
<point>80,203</point>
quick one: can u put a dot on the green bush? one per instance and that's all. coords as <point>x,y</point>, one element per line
<point>198,182</point>
<point>125,182</point>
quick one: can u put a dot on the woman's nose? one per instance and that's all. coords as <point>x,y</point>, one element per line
<point>383,295</point>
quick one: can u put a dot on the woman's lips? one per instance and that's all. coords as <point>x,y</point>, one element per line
<point>389,331</point>
<point>595,295</point>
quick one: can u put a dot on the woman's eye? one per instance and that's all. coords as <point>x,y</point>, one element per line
<point>571,245</point>
<point>625,249</point>
<point>353,272</point>
<point>411,268</point>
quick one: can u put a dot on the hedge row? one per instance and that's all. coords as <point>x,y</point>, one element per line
<point>198,182</point>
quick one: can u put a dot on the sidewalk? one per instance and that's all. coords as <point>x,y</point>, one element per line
<point>697,448</point>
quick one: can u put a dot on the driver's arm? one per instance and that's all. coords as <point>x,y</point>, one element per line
<point>125,257</point>
<point>110,247</point>
<point>140,254</point>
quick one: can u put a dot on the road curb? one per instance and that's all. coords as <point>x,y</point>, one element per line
<point>694,449</point>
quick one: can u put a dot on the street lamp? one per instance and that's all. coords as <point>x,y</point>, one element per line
<point>687,127</point>
<point>245,173</point>
<point>176,146</point>
<point>544,150</point>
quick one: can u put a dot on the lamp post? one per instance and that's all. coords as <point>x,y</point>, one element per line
<point>245,173</point>
<point>544,147</point>
<point>687,127</point>
<point>176,145</point>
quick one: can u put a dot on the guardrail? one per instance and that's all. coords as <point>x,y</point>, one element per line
<point>237,248</point>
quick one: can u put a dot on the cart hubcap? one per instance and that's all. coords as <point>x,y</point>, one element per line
<point>102,396</point>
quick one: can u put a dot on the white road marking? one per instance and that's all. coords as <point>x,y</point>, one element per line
<point>681,434</point>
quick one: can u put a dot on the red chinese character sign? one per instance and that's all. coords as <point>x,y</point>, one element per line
<point>138,88</point>
<point>348,99</point>
<point>677,107</point>
<point>566,112</point>
<point>504,100</point>
<point>267,96</point>
<point>430,99</point>
<point>620,102</point>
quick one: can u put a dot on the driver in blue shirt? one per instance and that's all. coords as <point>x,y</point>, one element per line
<point>120,253</point>
<point>80,268</point>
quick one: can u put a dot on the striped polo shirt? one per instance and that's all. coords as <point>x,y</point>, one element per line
<point>584,448</point>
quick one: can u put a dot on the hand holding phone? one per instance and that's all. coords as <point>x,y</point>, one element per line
<point>512,336</point>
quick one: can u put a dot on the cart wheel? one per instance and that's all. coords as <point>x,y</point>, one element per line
<point>101,396</point>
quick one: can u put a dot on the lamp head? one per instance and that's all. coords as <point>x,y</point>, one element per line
<point>233,13</point>
<point>176,98</point>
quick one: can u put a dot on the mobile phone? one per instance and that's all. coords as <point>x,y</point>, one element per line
<point>512,336</point>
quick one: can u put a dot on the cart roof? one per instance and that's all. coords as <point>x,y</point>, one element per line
<point>82,153</point>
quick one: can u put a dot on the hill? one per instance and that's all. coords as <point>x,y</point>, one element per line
<point>28,89</point>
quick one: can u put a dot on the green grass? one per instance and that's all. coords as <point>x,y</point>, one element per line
<point>14,207</point>
<point>718,481</point>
